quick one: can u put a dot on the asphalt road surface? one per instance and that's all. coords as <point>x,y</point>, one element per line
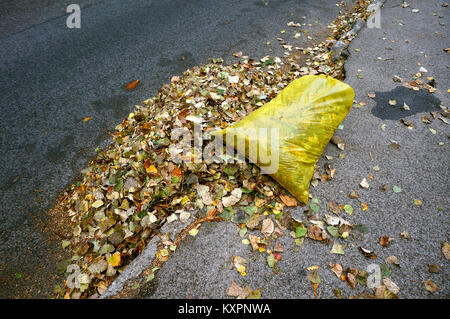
<point>53,77</point>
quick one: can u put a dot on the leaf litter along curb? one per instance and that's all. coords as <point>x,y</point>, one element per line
<point>130,189</point>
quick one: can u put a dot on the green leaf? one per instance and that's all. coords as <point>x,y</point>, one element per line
<point>333,230</point>
<point>314,277</point>
<point>348,209</point>
<point>396,189</point>
<point>150,277</point>
<point>314,207</point>
<point>362,229</point>
<point>385,270</point>
<point>271,261</point>
<point>337,249</point>
<point>255,294</point>
<point>65,243</point>
<point>300,232</point>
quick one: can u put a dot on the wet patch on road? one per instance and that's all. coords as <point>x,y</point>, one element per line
<point>117,103</point>
<point>417,101</point>
<point>57,153</point>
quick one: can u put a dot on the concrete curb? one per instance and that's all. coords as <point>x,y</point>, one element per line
<point>339,48</point>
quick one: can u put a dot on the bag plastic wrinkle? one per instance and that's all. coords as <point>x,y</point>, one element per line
<point>292,129</point>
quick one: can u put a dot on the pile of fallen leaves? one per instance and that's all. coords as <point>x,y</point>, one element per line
<point>130,189</point>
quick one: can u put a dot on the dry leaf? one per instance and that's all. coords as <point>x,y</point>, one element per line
<point>385,240</point>
<point>288,201</point>
<point>336,268</point>
<point>131,85</point>
<point>267,227</point>
<point>431,286</point>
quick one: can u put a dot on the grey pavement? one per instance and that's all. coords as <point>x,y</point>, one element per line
<point>202,266</point>
<point>53,77</point>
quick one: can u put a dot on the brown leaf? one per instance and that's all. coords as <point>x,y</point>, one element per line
<point>351,280</point>
<point>314,232</point>
<point>315,290</point>
<point>267,227</point>
<point>278,247</point>
<point>288,201</point>
<point>385,240</point>
<point>285,219</point>
<point>334,208</point>
<point>353,195</point>
<point>367,253</point>
<point>446,250</point>
<point>337,269</point>
<point>431,286</point>
<point>433,268</point>
<point>339,142</point>
<point>131,85</point>
<point>212,213</point>
<point>237,291</point>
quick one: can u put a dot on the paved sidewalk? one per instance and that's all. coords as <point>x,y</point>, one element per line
<point>410,160</point>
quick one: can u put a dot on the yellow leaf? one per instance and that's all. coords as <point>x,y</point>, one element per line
<point>87,119</point>
<point>114,260</point>
<point>152,170</point>
<point>193,232</point>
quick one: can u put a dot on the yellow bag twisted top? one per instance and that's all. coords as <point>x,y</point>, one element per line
<point>305,115</point>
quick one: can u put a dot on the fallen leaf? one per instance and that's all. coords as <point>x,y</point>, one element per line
<point>364,183</point>
<point>97,203</point>
<point>337,249</point>
<point>396,189</point>
<point>385,240</point>
<point>334,208</point>
<point>431,286</point>
<point>151,170</point>
<point>132,85</point>
<point>392,260</point>
<point>193,232</point>
<point>446,250</point>
<point>336,268</point>
<point>288,201</point>
<point>393,102</point>
<point>267,227</point>
<point>348,209</point>
<point>240,264</point>
<point>336,140</point>
<point>115,259</point>
<point>391,286</point>
<point>235,197</point>
<point>367,253</point>
<point>433,268</point>
<point>237,291</point>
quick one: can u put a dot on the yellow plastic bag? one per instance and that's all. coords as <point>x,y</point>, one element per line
<point>295,127</point>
